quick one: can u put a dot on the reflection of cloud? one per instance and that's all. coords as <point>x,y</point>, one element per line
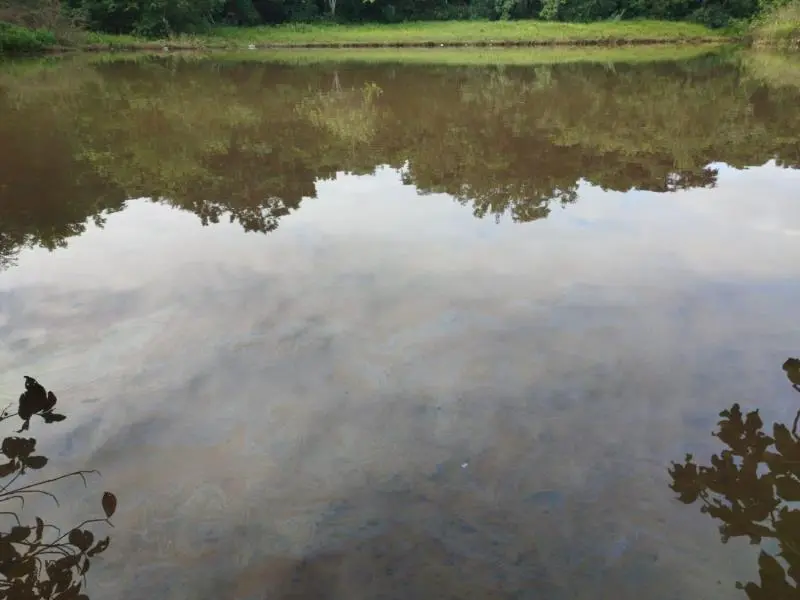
<point>378,340</point>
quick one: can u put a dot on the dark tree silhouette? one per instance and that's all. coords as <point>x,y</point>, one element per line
<point>752,487</point>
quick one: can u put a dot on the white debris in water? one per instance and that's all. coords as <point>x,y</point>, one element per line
<point>465,465</point>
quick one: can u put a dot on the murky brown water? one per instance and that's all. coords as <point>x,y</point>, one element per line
<point>385,331</point>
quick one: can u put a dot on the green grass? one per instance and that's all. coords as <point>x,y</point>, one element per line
<point>779,28</point>
<point>95,40</point>
<point>463,32</point>
<point>472,56</point>
<point>446,33</point>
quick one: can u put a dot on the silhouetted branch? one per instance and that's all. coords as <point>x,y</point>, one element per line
<point>54,479</point>
<point>13,515</point>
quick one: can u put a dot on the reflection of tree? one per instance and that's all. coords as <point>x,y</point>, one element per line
<point>46,196</point>
<point>39,561</point>
<point>248,142</point>
<point>349,115</point>
<point>753,487</point>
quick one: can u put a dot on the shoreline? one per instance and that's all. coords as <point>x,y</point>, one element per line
<point>599,42</point>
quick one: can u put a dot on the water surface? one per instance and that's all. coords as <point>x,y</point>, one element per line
<point>386,331</point>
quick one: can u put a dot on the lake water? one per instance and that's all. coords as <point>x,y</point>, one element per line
<point>353,330</point>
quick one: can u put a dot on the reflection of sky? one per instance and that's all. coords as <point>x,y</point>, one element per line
<point>380,337</point>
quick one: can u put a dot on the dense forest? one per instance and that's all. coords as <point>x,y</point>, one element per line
<point>249,142</point>
<point>163,17</point>
<point>152,16</point>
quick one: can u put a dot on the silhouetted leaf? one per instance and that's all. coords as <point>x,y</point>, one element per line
<point>788,488</point>
<point>7,552</point>
<point>8,468</point>
<point>769,568</point>
<point>75,537</point>
<point>16,447</point>
<point>25,426</point>
<point>66,562</point>
<point>109,504</point>
<point>71,593</point>
<point>35,462</point>
<point>9,569</point>
<point>39,528</point>
<point>100,547</point>
<point>19,568</point>
<point>686,482</point>
<point>53,417</point>
<point>17,534</point>
<point>32,400</point>
<point>753,421</point>
<point>50,403</point>
<point>785,443</point>
<point>792,368</point>
<point>81,539</point>
<point>46,588</point>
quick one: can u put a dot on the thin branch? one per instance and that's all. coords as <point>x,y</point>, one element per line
<point>38,492</point>
<point>13,515</point>
<point>38,483</point>
<point>13,479</point>
<point>87,522</point>
<point>51,548</point>
<point>56,548</point>
<point>794,425</point>
<point>3,415</point>
<point>20,498</point>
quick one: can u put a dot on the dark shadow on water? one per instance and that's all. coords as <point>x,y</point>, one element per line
<point>38,560</point>
<point>752,487</point>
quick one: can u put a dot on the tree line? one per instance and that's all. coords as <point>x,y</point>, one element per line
<point>164,17</point>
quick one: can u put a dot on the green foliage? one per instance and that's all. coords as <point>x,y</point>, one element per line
<point>164,18</point>
<point>150,18</point>
<point>20,40</point>
<point>779,25</point>
<point>241,12</point>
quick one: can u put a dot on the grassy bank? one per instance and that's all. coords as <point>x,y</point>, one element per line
<point>465,33</point>
<point>421,34</point>
<point>779,28</point>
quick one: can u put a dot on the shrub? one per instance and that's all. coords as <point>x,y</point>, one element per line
<point>155,18</point>
<point>779,26</point>
<point>21,40</point>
